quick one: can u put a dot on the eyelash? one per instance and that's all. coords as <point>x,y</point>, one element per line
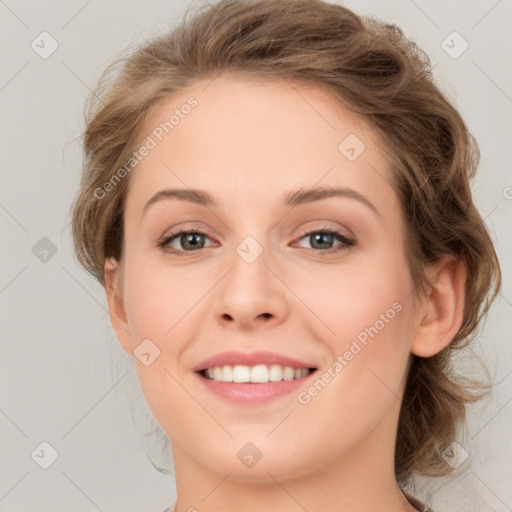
<point>338,235</point>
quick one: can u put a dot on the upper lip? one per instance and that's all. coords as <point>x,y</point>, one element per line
<point>250,359</point>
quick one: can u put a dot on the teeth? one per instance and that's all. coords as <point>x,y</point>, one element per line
<point>227,374</point>
<point>288,373</point>
<point>275,373</point>
<point>259,373</point>
<point>241,373</point>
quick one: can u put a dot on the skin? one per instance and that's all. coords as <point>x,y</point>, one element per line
<point>259,139</point>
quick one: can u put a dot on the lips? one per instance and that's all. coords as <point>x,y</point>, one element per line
<point>253,378</point>
<point>233,358</point>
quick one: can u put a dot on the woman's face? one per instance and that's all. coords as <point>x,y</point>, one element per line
<point>276,275</point>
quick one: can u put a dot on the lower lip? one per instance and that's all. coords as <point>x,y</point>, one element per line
<point>247,392</point>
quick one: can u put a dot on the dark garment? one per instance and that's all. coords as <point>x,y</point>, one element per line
<point>416,503</point>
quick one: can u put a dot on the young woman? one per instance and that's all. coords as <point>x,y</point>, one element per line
<point>276,199</point>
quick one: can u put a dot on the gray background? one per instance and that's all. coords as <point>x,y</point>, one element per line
<point>65,379</point>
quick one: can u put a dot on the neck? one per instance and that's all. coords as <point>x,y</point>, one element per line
<point>362,479</point>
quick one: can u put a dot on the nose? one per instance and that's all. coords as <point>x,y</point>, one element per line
<point>252,295</point>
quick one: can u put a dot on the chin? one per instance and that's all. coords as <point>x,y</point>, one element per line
<point>258,462</point>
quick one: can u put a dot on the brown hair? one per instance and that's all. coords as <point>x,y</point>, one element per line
<point>374,70</point>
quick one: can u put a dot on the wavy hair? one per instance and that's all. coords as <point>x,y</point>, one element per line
<point>371,68</point>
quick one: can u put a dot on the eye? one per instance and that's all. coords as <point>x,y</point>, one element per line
<point>188,240</point>
<point>322,239</point>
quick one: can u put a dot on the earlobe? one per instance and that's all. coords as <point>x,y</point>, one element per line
<point>115,302</point>
<point>441,314</point>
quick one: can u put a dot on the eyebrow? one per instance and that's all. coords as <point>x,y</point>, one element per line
<point>293,198</point>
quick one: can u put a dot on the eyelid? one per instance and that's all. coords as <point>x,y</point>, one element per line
<point>175,234</point>
<point>190,226</point>
<point>326,226</point>
<point>304,231</point>
<point>346,241</point>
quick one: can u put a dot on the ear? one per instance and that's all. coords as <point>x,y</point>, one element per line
<point>112,273</point>
<point>440,315</point>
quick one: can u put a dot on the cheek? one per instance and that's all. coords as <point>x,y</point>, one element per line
<point>365,316</point>
<point>158,301</point>
<point>160,307</point>
<point>349,298</point>
<point>368,367</point>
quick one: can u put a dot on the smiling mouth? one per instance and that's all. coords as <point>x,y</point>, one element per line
<point>256,374</point>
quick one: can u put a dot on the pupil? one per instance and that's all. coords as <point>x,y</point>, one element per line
<point>191,240</point>
<point>319,236</point>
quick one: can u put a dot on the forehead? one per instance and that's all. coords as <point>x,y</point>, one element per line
<point>245,138</point>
